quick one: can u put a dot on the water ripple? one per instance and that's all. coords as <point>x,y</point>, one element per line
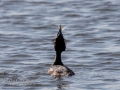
<point>27,30</point>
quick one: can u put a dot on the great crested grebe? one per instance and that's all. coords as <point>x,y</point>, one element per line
<point>58,69</point>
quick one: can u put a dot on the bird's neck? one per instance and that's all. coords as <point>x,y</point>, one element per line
<point>58,60</point>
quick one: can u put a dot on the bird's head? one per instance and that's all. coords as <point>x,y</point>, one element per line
<point>59,41</point>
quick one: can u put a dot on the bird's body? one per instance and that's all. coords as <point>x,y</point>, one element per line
<point>58,69</point>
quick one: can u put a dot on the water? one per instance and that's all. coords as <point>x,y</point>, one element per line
<point>27,30</point>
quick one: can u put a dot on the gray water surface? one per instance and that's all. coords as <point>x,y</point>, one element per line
<point>27,30</point>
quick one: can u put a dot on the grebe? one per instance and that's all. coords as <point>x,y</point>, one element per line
<point>58,69</point>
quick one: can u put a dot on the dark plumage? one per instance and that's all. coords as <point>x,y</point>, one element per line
<point>58,69</point>
<point>59,43</point>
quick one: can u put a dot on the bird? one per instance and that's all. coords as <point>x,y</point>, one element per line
<point>58,69</point>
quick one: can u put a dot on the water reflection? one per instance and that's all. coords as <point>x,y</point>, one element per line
<point>62,84</point>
